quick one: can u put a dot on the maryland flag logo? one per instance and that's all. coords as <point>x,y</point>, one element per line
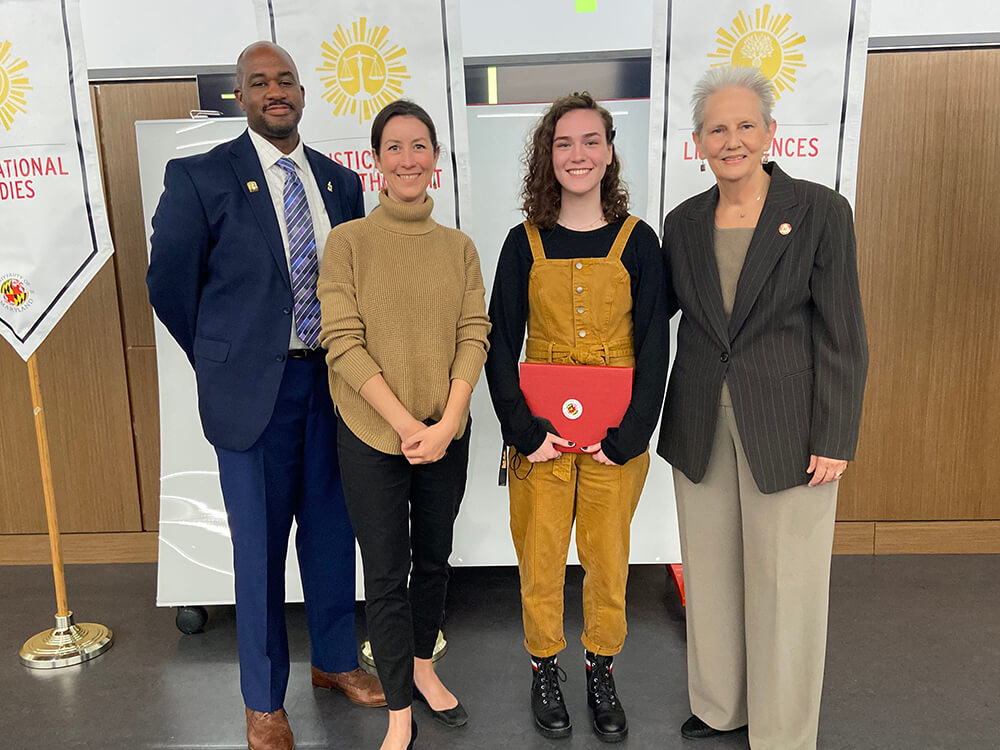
<point>14,292</point>
<point>764,41</point>
<point>363,70</point>
<point>13,85</point>
<point>572,409</point>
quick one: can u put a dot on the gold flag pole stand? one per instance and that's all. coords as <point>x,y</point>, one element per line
<point>368,660</point>
<point>68,643</point>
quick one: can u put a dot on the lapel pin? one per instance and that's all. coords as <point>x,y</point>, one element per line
<point>329,187</point>
<point>252,186</point>
<point>785,228</point>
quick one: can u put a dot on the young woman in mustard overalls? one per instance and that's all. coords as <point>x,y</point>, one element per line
<point>587,281</point>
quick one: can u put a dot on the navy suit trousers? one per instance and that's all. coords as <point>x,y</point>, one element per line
<point>291,472</point>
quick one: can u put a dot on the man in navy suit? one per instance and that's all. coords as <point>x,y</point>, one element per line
<point>237,238</point>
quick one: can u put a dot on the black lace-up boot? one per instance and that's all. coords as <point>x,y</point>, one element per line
<point>609,715</point>
<point>551,717</point>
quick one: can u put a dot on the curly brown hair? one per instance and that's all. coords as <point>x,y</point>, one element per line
<point>541,192</point>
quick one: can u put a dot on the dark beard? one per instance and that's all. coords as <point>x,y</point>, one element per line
<point>279,131</point>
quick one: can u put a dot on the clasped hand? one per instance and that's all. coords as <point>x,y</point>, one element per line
<point>425,445</point>
<point>548,451</point>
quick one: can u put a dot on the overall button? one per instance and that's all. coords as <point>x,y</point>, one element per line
<point>724,357</point>
<point>583,334</point>
<point>579,290</point>
<point>279,357</point>
<point>579,266</point>
<point>580,310</point>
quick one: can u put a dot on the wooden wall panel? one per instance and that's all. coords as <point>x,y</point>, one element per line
<point>928,233</point>
<point>854,538</point>
<point>937,537</point>
<point>119,106</point>
<point>33,549</point>
<point>141,361</point>
<point>82,372</point>
<point>22,508</point>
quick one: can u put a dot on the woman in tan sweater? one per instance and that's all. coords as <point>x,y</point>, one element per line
<point>405,328</point>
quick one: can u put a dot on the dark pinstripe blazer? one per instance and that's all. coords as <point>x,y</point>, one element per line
<point>794,351</point>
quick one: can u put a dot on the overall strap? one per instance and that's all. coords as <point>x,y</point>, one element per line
<point>623,234</point>
<point>535,240</point>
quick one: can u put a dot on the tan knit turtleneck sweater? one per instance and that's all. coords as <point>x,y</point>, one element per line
<point>404,296</point>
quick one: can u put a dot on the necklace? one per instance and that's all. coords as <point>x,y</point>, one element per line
<point>591,225</point>
<point>744,213</point>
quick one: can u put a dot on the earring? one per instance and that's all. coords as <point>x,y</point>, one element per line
<point>763,159</point>
<point>702,167</point>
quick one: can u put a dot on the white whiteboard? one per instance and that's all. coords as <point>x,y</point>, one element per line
<point>195,552</point>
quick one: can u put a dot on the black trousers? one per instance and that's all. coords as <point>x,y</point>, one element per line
<point>403,516</point>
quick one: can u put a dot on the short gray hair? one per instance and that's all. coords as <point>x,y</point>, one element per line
<point>731,77</point>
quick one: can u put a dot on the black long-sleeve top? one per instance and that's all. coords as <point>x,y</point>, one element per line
<point>643,260</point>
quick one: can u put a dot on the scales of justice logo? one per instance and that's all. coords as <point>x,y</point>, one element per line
<point>13,84</point>
<point>766,42</point>
<point>363,70</point>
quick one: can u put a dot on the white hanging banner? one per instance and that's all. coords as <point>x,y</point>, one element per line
<point>813,53</point>
<point>55,233</point>
<point>354,58</point>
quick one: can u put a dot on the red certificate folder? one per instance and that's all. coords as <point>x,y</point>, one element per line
<point>581,401</point>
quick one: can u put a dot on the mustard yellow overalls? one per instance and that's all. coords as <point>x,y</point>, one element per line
<point>579,312</point>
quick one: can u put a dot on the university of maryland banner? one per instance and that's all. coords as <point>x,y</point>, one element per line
<point>53,228</point>
<point>814,55</point>
<point>354,57</point>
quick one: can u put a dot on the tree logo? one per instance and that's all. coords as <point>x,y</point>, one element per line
<point>362,70</point>
<point>766,43</point>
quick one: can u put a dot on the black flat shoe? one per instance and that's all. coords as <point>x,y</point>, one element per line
<point>450,717</point>
<point>413,733</point>
<point>695,729</point>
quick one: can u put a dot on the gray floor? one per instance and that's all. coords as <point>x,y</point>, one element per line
<point>914,663</point>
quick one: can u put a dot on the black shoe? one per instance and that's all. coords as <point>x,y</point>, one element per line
<point>450,717</point>
<point>695,729</point>
<point>610,724</point>
<point>551,717</point>
<point>413,733</point>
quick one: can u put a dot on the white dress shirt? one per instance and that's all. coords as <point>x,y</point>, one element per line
<point>269,154</point>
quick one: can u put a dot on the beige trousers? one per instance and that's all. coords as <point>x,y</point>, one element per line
<point>757,579</point>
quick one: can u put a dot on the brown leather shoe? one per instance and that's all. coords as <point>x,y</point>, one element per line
<point>269,731</point>
<point>361,687</point>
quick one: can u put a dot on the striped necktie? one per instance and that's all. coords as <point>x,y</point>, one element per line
<point>302,256</point>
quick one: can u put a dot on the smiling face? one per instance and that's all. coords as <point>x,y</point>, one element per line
<point>268,90</point>
<point>734,137</point>
<point>581,153</point>
<point>406,158</point>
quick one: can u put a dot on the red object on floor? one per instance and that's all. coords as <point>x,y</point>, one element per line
<point>677,573</point>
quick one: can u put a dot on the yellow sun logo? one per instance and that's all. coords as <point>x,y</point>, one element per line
<point>766,44</point>
<point>13,84</point>
<point>364,71</point>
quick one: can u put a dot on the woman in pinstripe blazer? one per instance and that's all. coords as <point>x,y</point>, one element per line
<point>760,419</point>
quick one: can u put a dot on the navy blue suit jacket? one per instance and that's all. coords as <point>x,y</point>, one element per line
<point>218,279</point>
